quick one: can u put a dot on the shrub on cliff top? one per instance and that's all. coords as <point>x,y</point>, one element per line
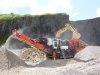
<point>6,17</point>
<point>11,16</point>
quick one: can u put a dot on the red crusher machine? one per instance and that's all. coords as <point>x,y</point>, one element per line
<point>54,48</point>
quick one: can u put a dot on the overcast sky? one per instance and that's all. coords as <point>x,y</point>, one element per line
<point>77,9</point>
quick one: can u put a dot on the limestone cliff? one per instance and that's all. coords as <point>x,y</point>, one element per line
<point>48,25</point>
<point>89,29</point>
<point>42,24</point>
<point>36,26</point>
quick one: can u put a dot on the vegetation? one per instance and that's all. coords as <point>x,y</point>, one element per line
<point>49,14</point>
<point>27,15</point>
<point>3,38</point>
<point>11,16</point>
<point>7,17</point>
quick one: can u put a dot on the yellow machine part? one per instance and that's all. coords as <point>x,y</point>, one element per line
<point>76,35</point>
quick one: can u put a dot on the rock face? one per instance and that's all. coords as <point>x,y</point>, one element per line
<point>89,29</point>
<point>37,26</point>
<point>48,25</point>
<point>34,27</point>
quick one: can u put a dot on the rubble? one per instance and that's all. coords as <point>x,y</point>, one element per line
<point>32,54</point>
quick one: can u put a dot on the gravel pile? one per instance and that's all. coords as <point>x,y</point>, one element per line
<point>3,59</point>
<point>32,54</point>
<point>90,52</point>
<point>9,60</point>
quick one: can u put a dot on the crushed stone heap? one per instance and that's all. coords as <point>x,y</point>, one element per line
<point>32,54</point>
<point>9,60</point>
<point>90,52</point>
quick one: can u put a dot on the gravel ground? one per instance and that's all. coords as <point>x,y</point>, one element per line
<point>86,62</point>
<point>88,68</point>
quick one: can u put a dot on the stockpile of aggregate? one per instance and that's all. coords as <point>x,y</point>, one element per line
<point>32,54</point>
<point>9,60</point>
<point>88,53</point>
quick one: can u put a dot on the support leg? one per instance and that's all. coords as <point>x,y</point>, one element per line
<point>54,55</point>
